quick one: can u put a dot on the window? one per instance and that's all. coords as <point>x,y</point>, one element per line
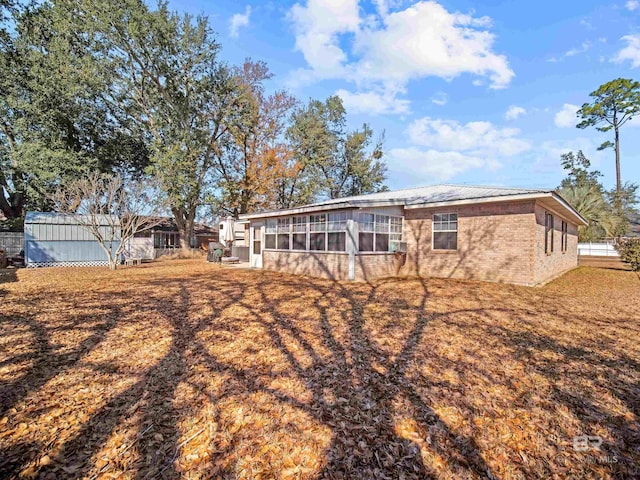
<point>319,232</point>
<point>270,233</point>
<point>445,231</point>
<point>283,241</point>
<point>336,241</point>
<point>269,241</point>
<point>365,241</point>
<point>317,241</point>
<point>284,225</point>
<point>565,236</point>
<point>548,233</point>
<point>395,229</point>
<point>166,240</point>
<point>284,230</point>
<point>366,229</point>
<point>318,223</point>
<point>299,237</point>
<point>337,221</point>
<point>375,232</point>
<point>299,241</point>
<point>336,232</point>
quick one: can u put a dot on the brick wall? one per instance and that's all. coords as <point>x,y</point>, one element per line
<point>497,242</point>
<point>549,265</point>
<point>332,265</point>
<point>370,266</point>
<point>494,243</point>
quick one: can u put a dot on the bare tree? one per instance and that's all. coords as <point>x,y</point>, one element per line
<point>112,208</point>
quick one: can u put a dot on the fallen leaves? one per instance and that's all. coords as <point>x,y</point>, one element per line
<point>184,369</point>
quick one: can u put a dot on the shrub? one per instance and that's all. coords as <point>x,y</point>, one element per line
<point>629,250</point>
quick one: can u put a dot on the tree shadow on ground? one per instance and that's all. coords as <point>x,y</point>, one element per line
<point>357,349</point>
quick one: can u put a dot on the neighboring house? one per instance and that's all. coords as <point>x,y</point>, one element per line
<point>635,225</point>
<point>57,240</point>
<point>513,235</point>
<point>240,232</point>
<point>164,238</point>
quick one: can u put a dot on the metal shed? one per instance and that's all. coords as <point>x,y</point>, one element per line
<point>57,240</point>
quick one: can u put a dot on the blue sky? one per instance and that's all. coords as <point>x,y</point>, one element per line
<point>466,92</point>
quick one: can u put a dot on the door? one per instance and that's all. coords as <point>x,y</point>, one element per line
<point>255,240</point>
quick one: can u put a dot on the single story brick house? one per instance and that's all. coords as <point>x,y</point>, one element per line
<point>513,235</point>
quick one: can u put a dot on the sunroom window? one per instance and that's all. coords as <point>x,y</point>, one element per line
<point>299,235</point>
<point>375,232</point>
<point>318,232</point>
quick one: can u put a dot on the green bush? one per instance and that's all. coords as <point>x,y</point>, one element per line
<point>629,250</point>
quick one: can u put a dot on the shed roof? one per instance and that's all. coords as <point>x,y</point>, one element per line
<point>434,195</point>
<point>55,218</point>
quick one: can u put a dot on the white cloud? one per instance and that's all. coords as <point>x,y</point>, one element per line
<point>386,50</point>
<point>238,21</point>
<point>631,5</point>
<point>547,155</point>
<point>441,149</point>
<point>432,165</point>
<point>566,117</point>
<point>373,103</point>
<point>514,112</point>
<point>631,52</point>
<point>475,138</point>
<point>572,52</point>
<point>317,26</point>
<point>584,46</point>
<point>440,98</point>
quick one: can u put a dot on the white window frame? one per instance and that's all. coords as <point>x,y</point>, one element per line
<point>393,235</point>
<point>433,231</point>
<point>297,228</point>
<point>331,222</point>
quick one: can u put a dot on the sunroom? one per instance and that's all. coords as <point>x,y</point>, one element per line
<point>332,242</point>
<point>363,231</point>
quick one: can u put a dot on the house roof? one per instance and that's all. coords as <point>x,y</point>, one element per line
<point>168,224</point>
<point>54,218</point>
<point>432,196</point>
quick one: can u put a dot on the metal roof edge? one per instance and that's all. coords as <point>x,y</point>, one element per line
<point>533,195</point>
<point>568,206</point>
<point>467,201</point>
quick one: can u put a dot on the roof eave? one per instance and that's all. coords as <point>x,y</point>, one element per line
<point>446,203</point>
<point>468,201</point>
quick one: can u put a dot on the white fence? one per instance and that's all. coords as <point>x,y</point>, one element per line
<point>597,249</point>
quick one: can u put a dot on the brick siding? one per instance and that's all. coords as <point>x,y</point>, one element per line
<point>370,266</point>
<point>552,264</point>
<point>497,242</point>
<point>332,265</point>
<point>494,243</point>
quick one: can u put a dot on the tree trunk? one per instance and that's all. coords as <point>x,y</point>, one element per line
<point>618,181</point>
<point>184,221</point>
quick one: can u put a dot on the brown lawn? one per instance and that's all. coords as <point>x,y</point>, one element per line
<point>185,369</point>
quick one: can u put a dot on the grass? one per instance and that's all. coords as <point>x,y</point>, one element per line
<point>187,369</point>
